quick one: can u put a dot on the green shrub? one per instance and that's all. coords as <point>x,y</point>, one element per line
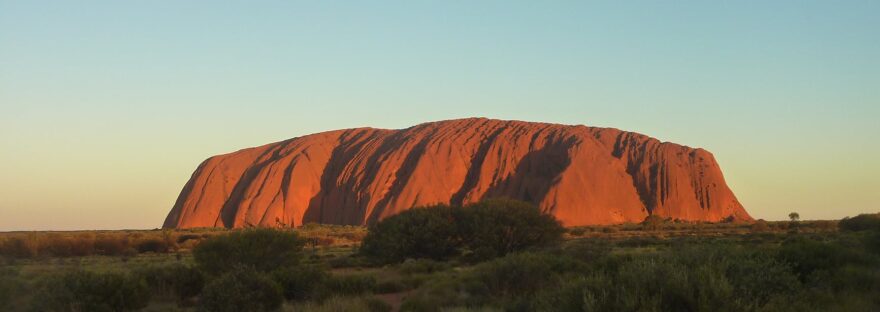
<point>345,285</point>
<point>177,281</point>
<point>808,256</point>
<point>500,226</point>
<point>518,275</point>
<point>861,222</point>
<point>87,291</point>
<point>262,249</point>
<point>588,249</point>
<point>299,283</point>
<point>428,232</point>
<point>486,230</point>
<point>242,289</point>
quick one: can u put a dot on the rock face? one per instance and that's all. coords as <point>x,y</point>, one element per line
<point>582,175</point>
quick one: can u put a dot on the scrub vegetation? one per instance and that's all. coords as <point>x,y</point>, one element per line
<point>497,255</point>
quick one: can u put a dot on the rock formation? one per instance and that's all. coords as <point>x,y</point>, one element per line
<point>582,175</point>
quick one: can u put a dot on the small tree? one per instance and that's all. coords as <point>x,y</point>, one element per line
<point>428,232</point>
<point>794,216</point>
<point>262,249</point>
<point>498,227</point>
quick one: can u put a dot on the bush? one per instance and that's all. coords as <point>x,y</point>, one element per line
<point>152,245</point>
<point>486,230</point>
<point>588,250</point>
<point>108,245</point>
<point>519,275</point>
<point>262,249</point>
<point>87,291</point>
<point>808,256</point>
<point>428,232</point>
<point>177,281</point>
<point>654,223</point>
<point>688,279</point>
<point>861,222</point>
<point>345,285</point>
<point>22,247</point>
<point>241,289</point>
<point>498,227</point>
<point>299,283</point>
<point>759,226</point>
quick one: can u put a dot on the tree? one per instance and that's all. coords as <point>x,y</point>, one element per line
<point>794,216</point>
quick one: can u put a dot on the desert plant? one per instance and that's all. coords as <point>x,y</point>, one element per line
<point>498,227</point>
<point>654,223</point>
<point>492,228</point>
<point>861,222</point>
<point>262,249</point>
<point>345,285</point>
<point>241,289</point>
<point>759,226</point>
<point>178,281</point>
<point>299,283</point>
<point>87,291</point>
<point>155,245</point>
<point>429,232</point>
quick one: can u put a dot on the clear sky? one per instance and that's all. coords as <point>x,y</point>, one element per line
<point>106,107</point>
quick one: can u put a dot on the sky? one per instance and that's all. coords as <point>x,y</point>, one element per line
<point>106,107</point>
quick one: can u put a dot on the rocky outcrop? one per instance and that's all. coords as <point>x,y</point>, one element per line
<point>582,175</point>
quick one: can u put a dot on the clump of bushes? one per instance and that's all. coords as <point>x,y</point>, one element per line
<point>177,281</point>
<point>241,289</point>
<point>654,223</point>
<point>498,227</point>
<point>300,283</point>
<point>37,245</point>
<point>862,222</point>
<point>482,230</point>
<point>429,232</point>
<point>261,249</point>
<point>88,291</point>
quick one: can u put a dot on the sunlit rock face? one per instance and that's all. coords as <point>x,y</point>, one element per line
<point>582,175</point>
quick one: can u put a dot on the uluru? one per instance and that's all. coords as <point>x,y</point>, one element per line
<point>582,175</point>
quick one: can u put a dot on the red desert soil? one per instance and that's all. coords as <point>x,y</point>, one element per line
<point>582,175</point>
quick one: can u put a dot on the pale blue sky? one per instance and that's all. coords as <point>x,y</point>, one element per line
<point>106,107</point>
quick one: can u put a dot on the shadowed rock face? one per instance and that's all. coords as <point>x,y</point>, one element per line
<point>582,175</point>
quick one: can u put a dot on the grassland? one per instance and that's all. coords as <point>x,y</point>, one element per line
<point>810,265</point>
